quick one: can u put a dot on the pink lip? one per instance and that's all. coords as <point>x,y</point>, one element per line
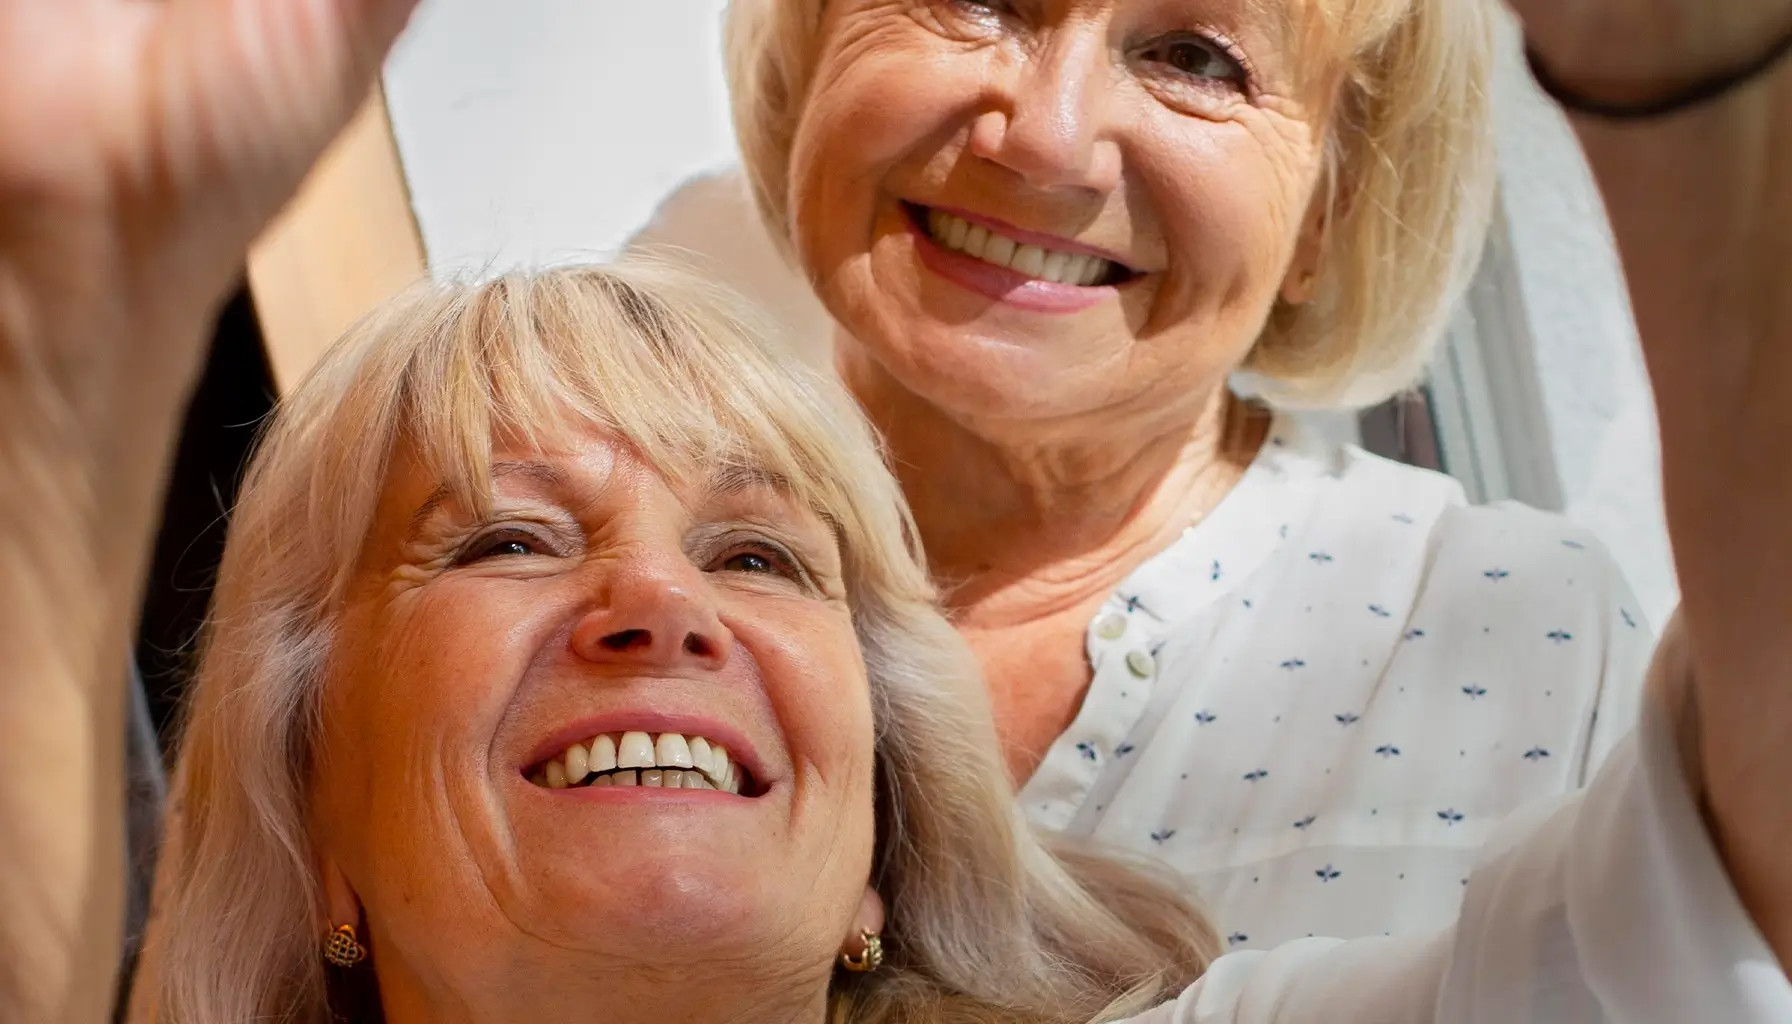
<point>654,722</point>
<point>1000,283</point>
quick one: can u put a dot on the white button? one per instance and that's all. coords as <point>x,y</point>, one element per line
<point>1111,626</point>
<point>1140,663</point>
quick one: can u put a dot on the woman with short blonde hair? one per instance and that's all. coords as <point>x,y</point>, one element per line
<point>1083,263</point>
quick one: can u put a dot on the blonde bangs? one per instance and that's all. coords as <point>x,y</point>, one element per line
<point>667,364</point>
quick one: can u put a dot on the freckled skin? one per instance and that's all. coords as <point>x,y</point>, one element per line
<point>467,641</point>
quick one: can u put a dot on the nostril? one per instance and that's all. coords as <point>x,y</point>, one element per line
<point>697,646</point>
<point>628,640</point>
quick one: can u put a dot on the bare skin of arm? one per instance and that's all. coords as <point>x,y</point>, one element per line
<point>1702,209</point>
<point>142,146</point>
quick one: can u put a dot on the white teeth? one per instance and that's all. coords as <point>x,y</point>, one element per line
<point>635,750</point>
<point>1001,250</point>
<point>671,751</point>
<point>603,754</point>
<point>1029,260</point>
<point>668,761</point>
<point>1034,261</point>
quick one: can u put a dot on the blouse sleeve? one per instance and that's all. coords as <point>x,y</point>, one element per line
<point>1606,906</point>
<point>1629,642</point>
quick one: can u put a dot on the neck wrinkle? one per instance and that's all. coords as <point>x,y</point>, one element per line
<point>1021,522</point>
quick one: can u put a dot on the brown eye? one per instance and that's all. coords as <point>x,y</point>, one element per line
<point>501,544</point>
<point>749,561</point>
<point>756,557</point>
<point>1195,57</point>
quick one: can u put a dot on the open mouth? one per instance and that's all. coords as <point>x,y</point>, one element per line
<point>667,761</point>
<point>1077,269</point>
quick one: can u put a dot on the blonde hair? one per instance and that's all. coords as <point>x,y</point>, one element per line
<point>986,923</point>
<point>1409,174</point>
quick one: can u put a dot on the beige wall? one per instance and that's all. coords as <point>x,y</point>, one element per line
<point>346,243</point>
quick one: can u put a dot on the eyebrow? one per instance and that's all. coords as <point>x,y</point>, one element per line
<point>732,480</point>
<point>540,472</point>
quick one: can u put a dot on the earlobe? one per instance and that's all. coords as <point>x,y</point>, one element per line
<point>863,950</point>
<point>1302,279</point>
<point>340,901</point>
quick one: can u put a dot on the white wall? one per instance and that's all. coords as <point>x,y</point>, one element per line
<point>540,131</point>
<point>1579,427</point>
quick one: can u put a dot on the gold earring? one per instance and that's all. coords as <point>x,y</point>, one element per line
<point>343,949</point>
<point>870,960</point>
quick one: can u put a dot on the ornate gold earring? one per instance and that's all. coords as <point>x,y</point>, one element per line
<point>870,960</point>
<point>343,949</point>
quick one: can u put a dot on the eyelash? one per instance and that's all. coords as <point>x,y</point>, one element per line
<point>783,562</point>
<point>481,546</point>
<point>1216,45</point>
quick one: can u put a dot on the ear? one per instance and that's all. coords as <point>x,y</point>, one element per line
<point>869,919</point>
<point>1309,250</point>
<point>340,901</point>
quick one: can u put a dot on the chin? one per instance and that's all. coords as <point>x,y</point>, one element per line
<point>659,900</point>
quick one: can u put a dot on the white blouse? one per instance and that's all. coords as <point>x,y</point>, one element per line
<point>1609,906</point>
<point>1320,701</point>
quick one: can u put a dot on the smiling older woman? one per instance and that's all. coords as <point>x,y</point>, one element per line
<point>566,470</point>
<point>561,643</point>
<point>1055,236</point>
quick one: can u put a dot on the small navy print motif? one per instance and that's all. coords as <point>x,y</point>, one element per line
<point>1328,873</point>
<point>1388,750</point>
<point>1451,816</point>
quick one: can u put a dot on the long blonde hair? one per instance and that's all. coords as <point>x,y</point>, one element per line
<point>1409,177</point>
<point>986,922</point>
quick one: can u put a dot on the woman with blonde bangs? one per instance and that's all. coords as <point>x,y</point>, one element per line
<point>1078,259</point>
<point>570,660</point>
<point>503,535</point>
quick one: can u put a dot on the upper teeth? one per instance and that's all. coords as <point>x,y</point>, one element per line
<point>979,242</point>
<point>669,761</point>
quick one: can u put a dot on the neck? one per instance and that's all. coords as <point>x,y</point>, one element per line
<point>1024,521</point>
<point>631,994</point>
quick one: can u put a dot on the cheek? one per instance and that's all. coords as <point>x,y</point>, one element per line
<point>1230,199</point>
<point>876,117</point>
<point>416,693</point>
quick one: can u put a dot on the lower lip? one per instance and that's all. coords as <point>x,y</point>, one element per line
<point>1000,283</point>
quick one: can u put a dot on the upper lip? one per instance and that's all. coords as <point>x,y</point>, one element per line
<point>1022,235</point>
<point>740,748</point>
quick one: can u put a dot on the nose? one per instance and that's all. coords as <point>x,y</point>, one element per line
<point>1053,129</point>
<point>655,614</point>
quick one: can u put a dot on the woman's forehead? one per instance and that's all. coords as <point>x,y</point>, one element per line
<point>580,467</point>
